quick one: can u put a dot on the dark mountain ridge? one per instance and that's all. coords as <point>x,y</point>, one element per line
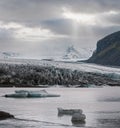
<point>108,51</point>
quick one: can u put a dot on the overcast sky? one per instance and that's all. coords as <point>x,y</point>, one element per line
<point>47,27</point>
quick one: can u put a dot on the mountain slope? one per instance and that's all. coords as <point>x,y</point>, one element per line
<point>108,50</point>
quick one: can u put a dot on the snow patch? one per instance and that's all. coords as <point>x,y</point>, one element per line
<point>4,55</point>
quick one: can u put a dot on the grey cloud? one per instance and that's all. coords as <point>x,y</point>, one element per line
<point>113,19</point>
<point>66,27</point>
<point>28,10</point>
<point>94,6</point>
<point>5,34</point>
<point>61,26</point>
<point>39,10</point>
<point>48,14</point>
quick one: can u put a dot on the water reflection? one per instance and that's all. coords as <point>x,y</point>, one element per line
<point>74,123</point>
<point>79,124</point>
<point>111,99</point>
<point>109,123</point>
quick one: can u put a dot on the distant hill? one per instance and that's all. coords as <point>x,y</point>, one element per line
<point>5,55</point>
<point>108,51</point>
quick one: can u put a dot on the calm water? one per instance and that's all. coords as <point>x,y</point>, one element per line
<point>100,105</point>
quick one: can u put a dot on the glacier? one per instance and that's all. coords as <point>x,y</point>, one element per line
<point>81,66</point>
<point>43,72</point>
<point>113,72</point>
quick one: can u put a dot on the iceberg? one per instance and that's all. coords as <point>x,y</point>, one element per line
<point>31,94</point>
<point>62,111</point>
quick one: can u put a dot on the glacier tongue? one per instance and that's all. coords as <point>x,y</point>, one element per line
<point>112,72</point>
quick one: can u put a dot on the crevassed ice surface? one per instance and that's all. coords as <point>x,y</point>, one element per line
<point>112,71</point>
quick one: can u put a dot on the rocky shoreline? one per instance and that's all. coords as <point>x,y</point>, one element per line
<point>5,115</point>
<point>14,75</point>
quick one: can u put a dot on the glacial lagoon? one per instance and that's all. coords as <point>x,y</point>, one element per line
<point>100,105</point>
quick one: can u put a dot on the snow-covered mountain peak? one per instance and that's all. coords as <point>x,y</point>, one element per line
<point>72,49</point>
<point>72,53</point>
